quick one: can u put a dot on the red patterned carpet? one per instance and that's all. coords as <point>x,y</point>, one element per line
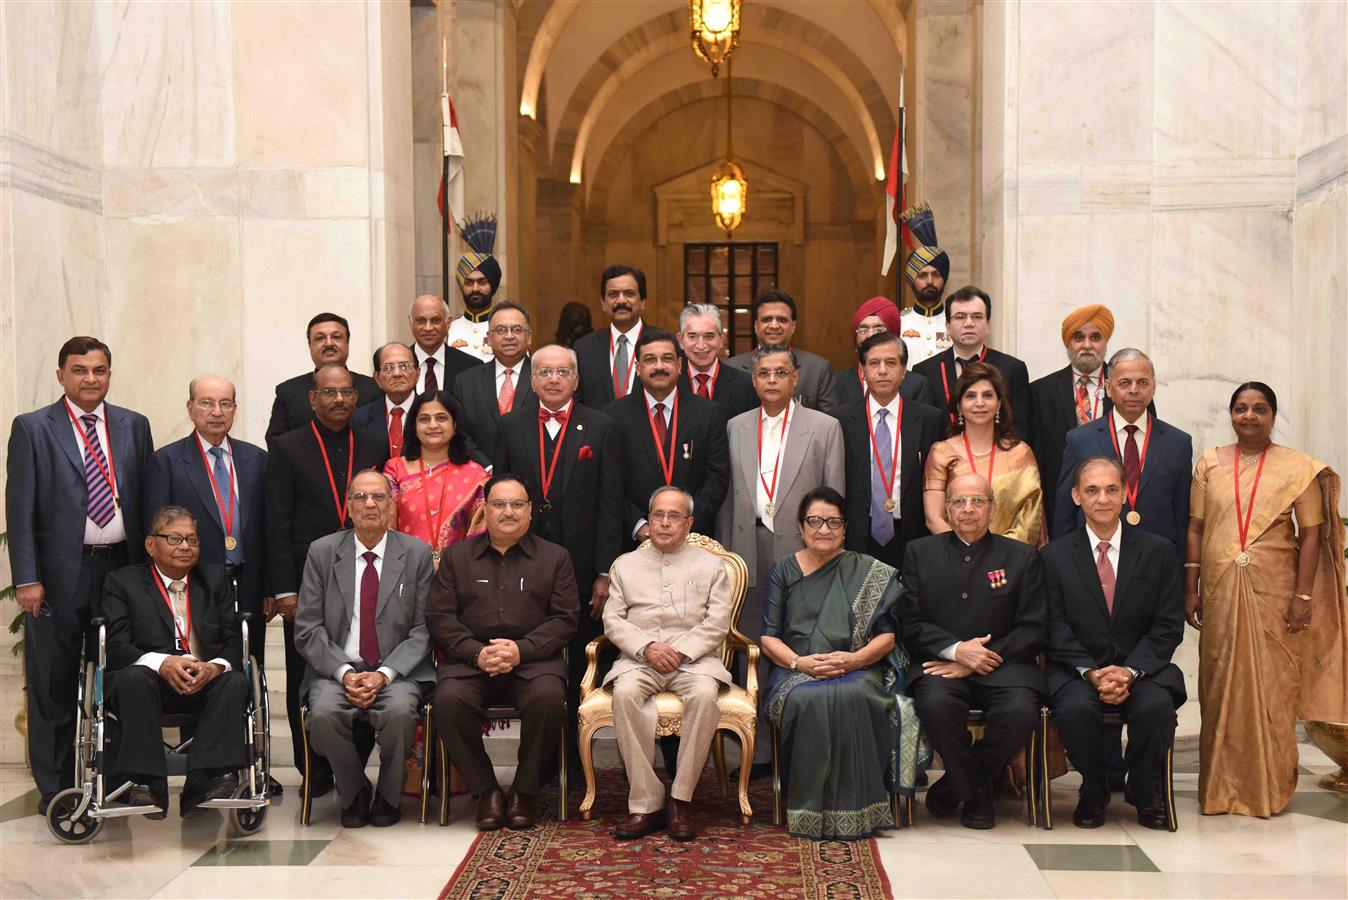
<point>578,859</point>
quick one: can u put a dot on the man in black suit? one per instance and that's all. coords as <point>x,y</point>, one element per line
<point>973,620</point>
<point>73,504</point>
<point>308,470</point>
<point>174,646</point>
<point>1157,456</point>
<point>577,501</point>
<point>876,315</point>
<point>1116,615</point>
<point>774,314</point>
<point>395,371</point>
<point>1071,396</point>
<point>488,391</point>
<point>663,434</point>
<point>968,314</point>
<point>329,338</point>
<point>438,363</point>
<point>884,513</point>
<point>608,357</point>
<point>702,340</point>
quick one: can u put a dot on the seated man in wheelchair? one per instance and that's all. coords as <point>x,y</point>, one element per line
<point>174,647</point>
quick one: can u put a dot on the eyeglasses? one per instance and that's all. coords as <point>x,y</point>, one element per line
<point>211,405</point>
<point>175,540</point>
<point>968,317</point>
<point>390,368</point>
<point>513,505</point>
<point>664,515</point>
<point>503,330</point>
<point>868,330</point>
<point>769,374</point>
<point>334,393</point>
<point>818,523</point>
<point>560,372</point>
<point>360,497</point>
<point>966,502</point>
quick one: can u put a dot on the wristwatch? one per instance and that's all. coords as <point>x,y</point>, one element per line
<point>794,660</point>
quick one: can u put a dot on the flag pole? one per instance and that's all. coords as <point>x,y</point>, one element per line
<point>898,250</point>
<point>444,166</point>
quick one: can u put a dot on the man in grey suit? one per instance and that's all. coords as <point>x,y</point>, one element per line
<point>774,325</point>
<point>778,454</point>
<point>360,626</point>
<point>73,504</point>
<point>668,611</point>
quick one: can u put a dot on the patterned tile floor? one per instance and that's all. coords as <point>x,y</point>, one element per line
<point>1302,853</point>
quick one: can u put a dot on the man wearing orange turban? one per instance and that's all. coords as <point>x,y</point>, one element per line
<point>875,315</point>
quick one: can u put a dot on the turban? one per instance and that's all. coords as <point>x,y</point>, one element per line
<point>479,233</point>
<point>882,307</point>
<point>1082,315</point>
<point>922,225</point>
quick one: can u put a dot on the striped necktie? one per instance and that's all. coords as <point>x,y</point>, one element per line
<point>101,505</point>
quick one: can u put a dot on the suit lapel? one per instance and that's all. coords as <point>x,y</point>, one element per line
<point>201,482</point>
<point>746,435</point>
<point>1084,555</point>
<point>61,428</point>
<point>119,436</point>
<point>341,575</point>
<point>569,446</point>
<point>247,476</point>
<point>798,438</point>
<point>909,465</point>
<point>1127,565</point>
<point>152,585</point>
<point>1157,436</point>
<point>391,576</point>
<point>1065,398</point>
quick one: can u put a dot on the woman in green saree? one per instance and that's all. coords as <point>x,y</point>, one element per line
<point>835,691</point>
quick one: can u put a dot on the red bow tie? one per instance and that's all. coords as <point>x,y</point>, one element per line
<point>546,415</point>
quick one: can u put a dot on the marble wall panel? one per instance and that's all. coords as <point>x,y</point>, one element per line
<point>1213,183</point>
<point>1322,73</point>
<point>167,83</point>
<point>173,285</point>
<point>1085,81</point>
<point>305,193</point>
<point>307,108</point>
<point>946,113</point>
<point>291,270</point>
<point>171,192</point>
<point>49,58</point>
<point>1225,80</point>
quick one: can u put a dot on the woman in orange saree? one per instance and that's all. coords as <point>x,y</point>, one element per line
<point>1264,583</point>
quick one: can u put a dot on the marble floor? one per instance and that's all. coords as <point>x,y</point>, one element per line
<point>1302,853</point>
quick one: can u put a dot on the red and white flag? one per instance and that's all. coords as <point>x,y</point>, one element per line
<point>895,229</point>
<point>451,180</point>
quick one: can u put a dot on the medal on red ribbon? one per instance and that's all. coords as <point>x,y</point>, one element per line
<point>226,515</point>
<point>887,483</point>
<point>770,508</point>
<point>1134,517</point>
<point>1243,522</point>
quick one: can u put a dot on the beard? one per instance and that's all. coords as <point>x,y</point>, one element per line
<point>929,295</point>
<point>477,300</point>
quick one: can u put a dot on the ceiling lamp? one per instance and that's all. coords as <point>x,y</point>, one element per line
<point>729,188</point>
<point>716,29</point>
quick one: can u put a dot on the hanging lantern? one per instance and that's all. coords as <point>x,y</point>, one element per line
<point>716,29</point>
<point>729,195</point>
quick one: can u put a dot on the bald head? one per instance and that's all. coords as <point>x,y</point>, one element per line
<point>429,318</point>
<point>969,504</point>
<point>210,406</point>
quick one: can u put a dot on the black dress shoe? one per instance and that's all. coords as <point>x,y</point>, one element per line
<point>939,802</point>
<point>200,788</point>
<point>638,825</point>
<point>383,814</point>
<point>43,802</point>
<point>357,815</point>
<point>1154,817</point>
<point>491,810</point>
<point>274,787</point>
<point>980,810</point>
<point>1090,813</point>
<point>145,795</point>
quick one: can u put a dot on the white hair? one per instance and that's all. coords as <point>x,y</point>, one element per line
<point>665,488</point>
<point>575,362</point>
<point>695,310</point>
<point>1128,353</point>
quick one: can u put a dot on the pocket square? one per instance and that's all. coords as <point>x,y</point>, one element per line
<point>585,453</point>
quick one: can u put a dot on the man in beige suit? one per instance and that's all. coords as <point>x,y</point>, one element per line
<point>668,612</point>
<point>778,454</point>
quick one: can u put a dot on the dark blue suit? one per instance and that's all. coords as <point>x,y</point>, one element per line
<point>177,474</point>
<point>372,417</point>
<point>1163,491</point>
<point>46,504</point>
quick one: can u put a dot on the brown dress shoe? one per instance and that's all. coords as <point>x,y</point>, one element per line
<point>638,825</point>
<point>519,811</point>
<point>680,817</point>
<point>490,810</point>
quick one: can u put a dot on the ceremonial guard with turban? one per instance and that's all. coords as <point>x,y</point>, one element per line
<point>479,276</point>
<point>927,268</point>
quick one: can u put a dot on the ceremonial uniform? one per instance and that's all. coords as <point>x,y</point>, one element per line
<point>469,334</point>
<point>924,333</point>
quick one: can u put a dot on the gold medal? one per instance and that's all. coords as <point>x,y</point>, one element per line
<point>435,556</point>
<point>1243,559</point>
<point>769,509</point>
<point>890,505</point>
<point>1134,517</point>
<point>230,542</point>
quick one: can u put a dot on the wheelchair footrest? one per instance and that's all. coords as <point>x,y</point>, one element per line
<point>235,803</point>
<point>117,811</point>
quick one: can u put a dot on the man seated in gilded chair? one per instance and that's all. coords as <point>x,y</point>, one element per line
<point>668,612</point>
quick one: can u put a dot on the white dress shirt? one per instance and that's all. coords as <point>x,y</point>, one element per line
<point>421,357</point>
<point>553,426</point>
<point>155,660</point>
<point>775,430</point>
<point>405,406</point>
<point>896,436</point>
<point>632,334</point>
<point>352,646</point>
<point>115,531</point>
<point>1142,423</point>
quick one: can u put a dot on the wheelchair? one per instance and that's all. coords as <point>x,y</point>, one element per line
<point>76,815</point>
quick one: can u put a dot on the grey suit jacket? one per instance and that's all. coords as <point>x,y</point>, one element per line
<point>813,456</point>
<point>815,388</point>
<point>327,602</point>
<point>692,614</point>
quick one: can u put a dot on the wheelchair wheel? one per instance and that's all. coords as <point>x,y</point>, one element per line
<point>63,825</point>
<point>246,821</point>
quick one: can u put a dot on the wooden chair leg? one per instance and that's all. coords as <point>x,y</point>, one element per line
<point>585,744</point>
<point>427,757</point>
<point>1172,816</point>
<point>444,781</point>
<point>746,764</point>
<point>1031,778</point>
<point>561,775</point>
<point>306,795</point>
<point>776,777</point>
<point>1046,777</point>
<point>718,757</point>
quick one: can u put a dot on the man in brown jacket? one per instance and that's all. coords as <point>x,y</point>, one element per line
<point>502,607</point>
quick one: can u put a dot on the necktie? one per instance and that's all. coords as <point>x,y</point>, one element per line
<point>620,367</point>
<point>432,383</point>
<point>1083,400</point>
<point>395,431</point>
<point>101,509</point>
<point>222,479</point>
<point>661,429</point>
<point>1132,464</point>
<point>702,391</point>
<point>507,395</point>
<point>369,594</point>
<point>1106,571</point>
<point>178,590</point>
<point>882,522</point>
